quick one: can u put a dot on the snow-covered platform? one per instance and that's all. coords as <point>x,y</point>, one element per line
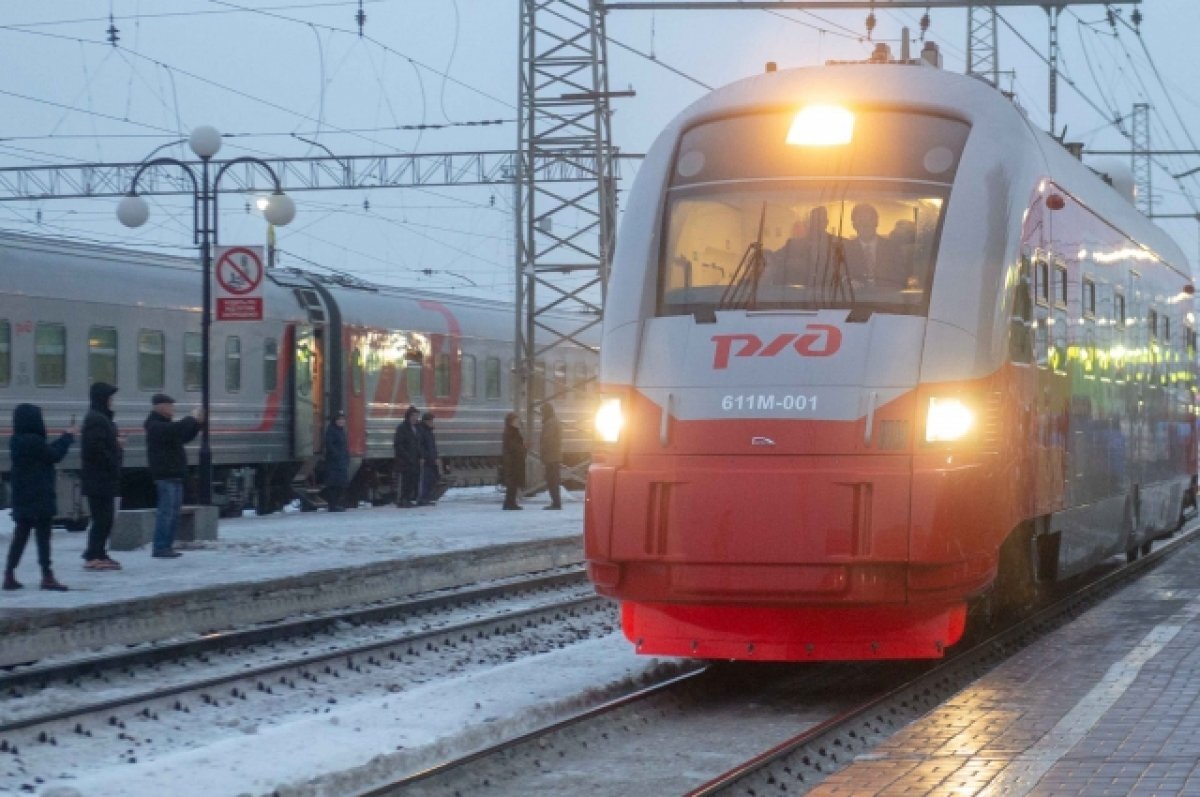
<point>266,568</point>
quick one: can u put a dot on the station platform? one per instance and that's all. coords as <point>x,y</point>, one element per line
<point>265,568</point>
<point>1109,704</point>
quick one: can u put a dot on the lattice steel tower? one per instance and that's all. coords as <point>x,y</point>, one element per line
<point>983,59</point>
<point>1140,165</point>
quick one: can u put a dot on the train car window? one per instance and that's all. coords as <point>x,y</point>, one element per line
<point>441,376</point>
<point>1189,336</point>
<point>560,380</point>
<point>1041,271</point>
<point>1060,286</point>
<point>581,385</point>
<point>413,373</point>
<point>152,359</point>
<point>102,355</point>
<point>5,353</point>
<point>356,371</point>
<point>1152,325</point>
<point>537,385</point>
<point>1166,331</point>
<point>771,225</point>
<point>1089,298</point>
<point>50,354</point>
<point>233,364</point>
<point>193,360</point>
<point>270,365</point>
<point>467,379</point>
<point>491,378</point>
<point>1020,331</point>
<point>1119,317</point>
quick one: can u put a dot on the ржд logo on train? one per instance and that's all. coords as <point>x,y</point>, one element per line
<point>817,340</point>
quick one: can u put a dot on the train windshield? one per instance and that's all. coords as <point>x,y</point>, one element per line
<point>756,223</point>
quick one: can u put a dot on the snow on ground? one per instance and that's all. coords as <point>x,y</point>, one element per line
<point>252,548</point>
<point>372,740</point>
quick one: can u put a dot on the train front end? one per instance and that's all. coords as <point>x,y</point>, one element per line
<point>764,415</point>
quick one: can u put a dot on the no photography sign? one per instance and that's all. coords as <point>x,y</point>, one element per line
<point>238,272</point>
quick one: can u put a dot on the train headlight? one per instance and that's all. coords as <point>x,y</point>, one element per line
<point>821,126</point>
<point>948,419</point>
<point>609,419</point>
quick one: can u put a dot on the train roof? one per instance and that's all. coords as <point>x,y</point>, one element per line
<point>936,91</point>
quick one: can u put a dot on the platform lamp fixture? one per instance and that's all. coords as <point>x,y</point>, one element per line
<point>133,211</point>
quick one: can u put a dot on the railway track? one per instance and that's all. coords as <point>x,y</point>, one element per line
<point>690,734</point>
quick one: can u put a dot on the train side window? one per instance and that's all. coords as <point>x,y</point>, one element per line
<point>1152,325</point>
<point>233,364</point>
<point>467,380</point>
<point>1020,330</point>
<point>102,355</point>
<point>1041,271</point>
<point>1089,298</point>
<point>1060,286</point>
<point>193,360</point>
<point>1166,331</point>
<point>270,365</point>
<point>356,371</point>
<point>5,353</point>
<point>1119,317</point>
<point>413,372</point>
<point>580,385</point>
<point>1189,336</point>
<point>152,359</point>
<point>560,380</point>
<point>50,354</point>
<point>491,378</point>
<point>537,386</point>
<point>441,376</point>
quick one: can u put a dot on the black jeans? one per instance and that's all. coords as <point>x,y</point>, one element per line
<point>410,481</point>
<point>103,508</point>
<point>510,494</point>
<point>21,536</point>
<point>553,481</point>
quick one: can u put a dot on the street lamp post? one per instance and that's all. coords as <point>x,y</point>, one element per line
<point>133,211</point>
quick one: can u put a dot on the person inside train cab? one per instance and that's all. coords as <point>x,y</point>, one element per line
<point>101,450</point>
<point>167,458</point>
<point>406,446</point>
<point>337,463</point>
<point>805,255</point>
<point>871,259</point>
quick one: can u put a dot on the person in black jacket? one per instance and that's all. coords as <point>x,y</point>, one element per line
<point>512,459</point>
<point>33,500</point>
<point>429,461</point>
<point>551,451</point>
<point>337,463</point>
<point>100,453</point>
<point>165,439</point>
<point>406,445</point>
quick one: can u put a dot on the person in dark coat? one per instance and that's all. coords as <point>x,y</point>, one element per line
<point>551,451</point>
<point>430,463</point>
<point>33,500</point>
<point>512,459</point>
<point>406,445</point>
<point>165,439</point>
<point>100,451</point>
<point>337,463</point>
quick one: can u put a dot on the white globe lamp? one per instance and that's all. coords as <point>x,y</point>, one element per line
<point>205,141</point>
<point>133,211</point>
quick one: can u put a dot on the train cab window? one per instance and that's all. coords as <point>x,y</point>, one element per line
<point>1089,298</point>
<point>50,354</point>
<point>441,376</point>
<point>233,364</point>
<point>193,361</point>
<point>467,377</point>
<point>1041,271</point>
<point>356,371</point>
<point>782,225</point>
<point>1060,286</point>
<point>491,378</point>
<point>413,373</point>
<point>5,353</point>
<point>102,355</point>
<point>151,359</point>
<point>270,365</point>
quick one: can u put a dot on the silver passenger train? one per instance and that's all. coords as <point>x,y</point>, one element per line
<point>73,313</point>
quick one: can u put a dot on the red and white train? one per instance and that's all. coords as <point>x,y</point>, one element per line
<point>877,349</point>
<point>73,313</point>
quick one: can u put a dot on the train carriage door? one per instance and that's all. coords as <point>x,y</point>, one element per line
<point>307,392</point>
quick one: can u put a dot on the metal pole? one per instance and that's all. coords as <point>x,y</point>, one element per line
<point>205,495</point>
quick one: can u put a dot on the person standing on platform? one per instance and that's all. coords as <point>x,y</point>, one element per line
<point>33,500</point>
<point>512,460</point>
<point>165,439</point>
<point>337,463</point>
<point>551,451</point>
<point>406,445</point>
<point>100,451</point>
<point>430,464</point>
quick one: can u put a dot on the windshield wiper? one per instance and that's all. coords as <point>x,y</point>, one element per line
<point>742,290</point>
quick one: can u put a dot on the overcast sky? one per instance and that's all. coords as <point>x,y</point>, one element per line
<point>271,71</point>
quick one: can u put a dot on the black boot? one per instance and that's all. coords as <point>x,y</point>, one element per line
<point>49,582</point>
<point>10,581</point>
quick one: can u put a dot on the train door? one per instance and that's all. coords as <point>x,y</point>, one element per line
<point>307,392</point>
